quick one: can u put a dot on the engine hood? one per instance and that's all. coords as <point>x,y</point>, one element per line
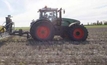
<point>70,20</point>
<point>67,21</point>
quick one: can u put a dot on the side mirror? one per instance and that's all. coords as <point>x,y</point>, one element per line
<point>63,11</point>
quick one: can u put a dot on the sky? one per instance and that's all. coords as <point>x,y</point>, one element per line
<point>24,11</point>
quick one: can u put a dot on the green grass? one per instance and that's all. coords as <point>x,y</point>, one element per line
<point>95,26</point>
<point>87,26</point>
<point>23,28</point>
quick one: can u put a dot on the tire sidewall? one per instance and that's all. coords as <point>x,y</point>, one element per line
<point>71,30</point>
<point>42,23</point>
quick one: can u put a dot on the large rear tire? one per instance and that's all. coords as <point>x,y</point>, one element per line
<point>42,31</point>
<point>78,33</point>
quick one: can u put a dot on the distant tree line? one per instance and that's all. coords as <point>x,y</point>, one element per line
<point>98,23</point>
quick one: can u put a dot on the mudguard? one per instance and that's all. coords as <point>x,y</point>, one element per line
<point>34,22</point>
<point>73,24</point>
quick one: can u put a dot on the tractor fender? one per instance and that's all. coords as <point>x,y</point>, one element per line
<point>33,22</point>
<point>38,21</point>
<point>74,24</point>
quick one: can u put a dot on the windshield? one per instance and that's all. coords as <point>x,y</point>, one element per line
<point>51,15</point>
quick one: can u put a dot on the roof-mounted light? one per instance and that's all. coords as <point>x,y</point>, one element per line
<point>45,7</point>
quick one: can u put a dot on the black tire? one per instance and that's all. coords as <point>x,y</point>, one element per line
<point>42,31</point>
<point>78,33</point>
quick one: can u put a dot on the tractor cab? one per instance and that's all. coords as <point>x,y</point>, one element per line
<point>48,13</point>
<point>51,14</point>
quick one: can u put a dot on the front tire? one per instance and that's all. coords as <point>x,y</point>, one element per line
<point>78,33</point>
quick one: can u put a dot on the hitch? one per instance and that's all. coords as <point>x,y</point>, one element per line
<point>20,32</point>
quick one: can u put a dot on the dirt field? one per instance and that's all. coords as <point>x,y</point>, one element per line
<point>20,51</point>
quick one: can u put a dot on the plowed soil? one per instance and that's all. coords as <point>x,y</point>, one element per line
<point>20,51</point>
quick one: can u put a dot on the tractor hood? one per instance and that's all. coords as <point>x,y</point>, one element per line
<point>68,21</point>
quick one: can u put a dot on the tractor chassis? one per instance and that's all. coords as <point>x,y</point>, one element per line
<point>60,30</point>
<point>20,32</point>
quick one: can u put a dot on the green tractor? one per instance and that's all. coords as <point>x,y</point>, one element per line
<point>51,23</point>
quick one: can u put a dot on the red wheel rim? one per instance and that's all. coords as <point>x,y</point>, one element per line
<point>78,33</point>
<point>43,32</point>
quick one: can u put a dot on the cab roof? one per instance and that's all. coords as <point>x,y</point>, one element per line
<point>48,9</point>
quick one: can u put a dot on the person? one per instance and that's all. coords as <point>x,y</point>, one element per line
<point>8,24</point>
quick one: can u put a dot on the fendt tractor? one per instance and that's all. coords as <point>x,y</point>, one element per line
<point>51,23</point>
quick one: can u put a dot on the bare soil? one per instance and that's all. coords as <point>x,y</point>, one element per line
<point>20,51</point>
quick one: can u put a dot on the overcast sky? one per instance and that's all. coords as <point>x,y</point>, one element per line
<point>23,11</point>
